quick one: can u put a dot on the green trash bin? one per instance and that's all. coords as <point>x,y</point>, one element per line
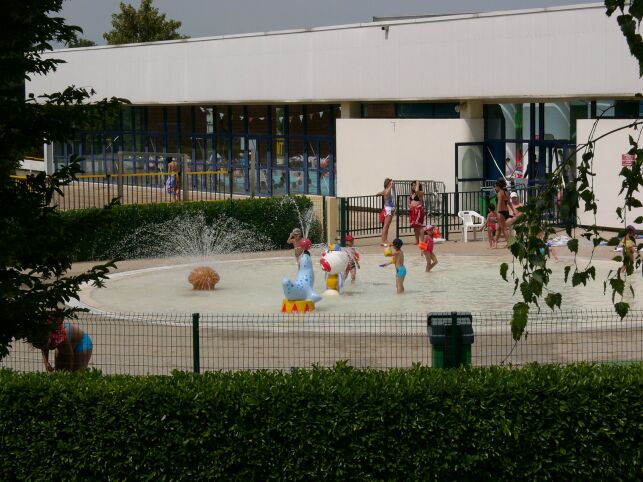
<point>451,337</point>
<point>487,195</point>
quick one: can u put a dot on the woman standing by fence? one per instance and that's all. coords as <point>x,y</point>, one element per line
<point>386,215</point>
<point>502,210</point>
<point>416,210</point>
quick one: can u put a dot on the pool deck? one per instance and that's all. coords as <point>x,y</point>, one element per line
<point>370,245</point>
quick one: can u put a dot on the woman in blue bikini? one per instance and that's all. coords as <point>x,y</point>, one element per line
<point>72,345</point>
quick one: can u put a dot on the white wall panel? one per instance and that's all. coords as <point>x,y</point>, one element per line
<point>607,165</point>
<point>545,53</point>
<point>369,150</point>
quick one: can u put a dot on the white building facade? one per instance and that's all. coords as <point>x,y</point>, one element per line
<point>335,110</point>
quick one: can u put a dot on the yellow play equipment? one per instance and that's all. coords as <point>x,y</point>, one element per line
<point>298,306</point>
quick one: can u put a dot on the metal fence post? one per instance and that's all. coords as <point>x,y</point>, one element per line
<point>195,343</point>
<point>343,219</point>
<point>324,220</point>
<point>186,179</point>
<point>120,176</point>
<point>445,213</point>
<point>397,217</point>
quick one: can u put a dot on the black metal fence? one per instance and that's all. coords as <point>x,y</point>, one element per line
<point>158,344</point>
<point>360,215</point>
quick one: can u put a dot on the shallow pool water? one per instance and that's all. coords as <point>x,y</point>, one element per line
<point>462,283</point>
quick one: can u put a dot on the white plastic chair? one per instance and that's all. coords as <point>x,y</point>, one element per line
<point>469,219</point>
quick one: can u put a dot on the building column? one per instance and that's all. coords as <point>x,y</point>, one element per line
<point>471,109</point>
<point>351,110</point>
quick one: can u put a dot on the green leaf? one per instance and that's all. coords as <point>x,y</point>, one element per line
<point>638,220</point>
<point>519,320</point>
<point>572,244</point>
<point>618,285</point>
<point>622,309</point>
<point>527,291</point>
<point>553,300</point>
<point>567,270</point>
<point>615,241</point>
<point>504,267</point>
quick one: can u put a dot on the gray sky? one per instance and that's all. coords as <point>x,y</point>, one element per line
<point>202,18</point>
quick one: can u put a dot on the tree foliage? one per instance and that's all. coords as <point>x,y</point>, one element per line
<point>143,25</point>
<point>531,253</point>
<point>35,244</point>
<point>80,42</point>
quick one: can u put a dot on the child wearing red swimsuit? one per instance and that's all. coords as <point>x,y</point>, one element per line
<point>490,223</point>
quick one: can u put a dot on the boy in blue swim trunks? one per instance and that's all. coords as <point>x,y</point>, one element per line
<point>398,259</point>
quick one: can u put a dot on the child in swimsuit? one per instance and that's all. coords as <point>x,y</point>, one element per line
<point>172,181</point>
<point>295,238</point>
<point>353,259</point>
<point>490,223</point>
<point>629,247</point>
<point>431,259</point>
<point>398,259</point>
<point>72,345</point>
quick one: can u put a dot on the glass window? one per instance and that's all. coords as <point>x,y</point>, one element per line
<point>319,120</point>
<point>295,121</point>
<point>222,120</point>
<point>258,119</point>
<point>278,121</point>
<point>624,109</point>
<point>296,166</point>
<point>155,119</point>
<point>427,110</point>
<point>378,111</point>
<point>449,110</point>
<point>223,153</point>
<point>279,151</point>
<point>557,120</point>
<point>237,119</point>
<point>278,182</point>
<point>605,108</point>
<point>204,119</point>
<point>238,151</point>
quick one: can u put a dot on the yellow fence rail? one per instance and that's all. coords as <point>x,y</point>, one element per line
<point>97,190</point>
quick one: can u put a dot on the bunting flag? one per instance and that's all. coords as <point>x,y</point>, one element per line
<point>262,118</point>
<point>221,114</point>
<point>241,117</point>
<point>321,114</point>
<point>310,116</point>
<point>281,118</point>
<point>301,117</point>
<point>251,119</point>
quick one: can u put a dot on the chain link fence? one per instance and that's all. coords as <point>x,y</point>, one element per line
<point>141,344</point>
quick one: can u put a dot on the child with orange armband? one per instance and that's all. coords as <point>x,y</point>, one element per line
<point>426,245</point>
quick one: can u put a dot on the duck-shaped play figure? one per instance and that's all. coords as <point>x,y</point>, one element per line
<point>301,289</point>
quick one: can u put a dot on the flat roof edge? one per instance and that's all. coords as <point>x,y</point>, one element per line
<point>379,23</point>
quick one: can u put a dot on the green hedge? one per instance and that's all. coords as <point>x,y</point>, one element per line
<point>538,423</point>
<point>270,216</point>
